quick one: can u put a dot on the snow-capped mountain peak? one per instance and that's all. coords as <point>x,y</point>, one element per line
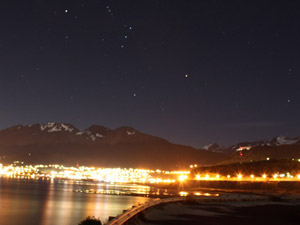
<point>51,127</point>
<point>214,147</point>
<point>206,147</point>
<point>94,132</point>
<point>281,140</point>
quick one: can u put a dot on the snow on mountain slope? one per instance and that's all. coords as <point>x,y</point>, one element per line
<point>281,140</point>
<point>277,141</point>
<point>90,135</point>
<point>212,147</point>
<point>62,143</point>
<point>55,127</point>
<point>206,147</point>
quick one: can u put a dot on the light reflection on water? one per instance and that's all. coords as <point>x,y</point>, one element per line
<point>33,202</point>
<point>116,189</point>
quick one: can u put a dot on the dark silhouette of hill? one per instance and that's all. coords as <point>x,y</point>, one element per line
<point>277,148</point>
<point>274,142</point>
<point>59,143</point>
<point>257,168</point>
<point>263,152</point>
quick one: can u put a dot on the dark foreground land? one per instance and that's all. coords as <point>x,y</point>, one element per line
<point>274,211</point>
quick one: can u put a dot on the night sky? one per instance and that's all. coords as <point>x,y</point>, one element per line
<point>193,72</point>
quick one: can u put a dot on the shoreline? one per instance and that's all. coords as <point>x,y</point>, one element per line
<point>271,211</point>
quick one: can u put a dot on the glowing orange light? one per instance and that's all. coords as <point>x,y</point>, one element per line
<point>182,178</point>
<point>183,193</point>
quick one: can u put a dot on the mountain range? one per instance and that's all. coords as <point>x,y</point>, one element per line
<point>62,143</point>
<point>279,147</point>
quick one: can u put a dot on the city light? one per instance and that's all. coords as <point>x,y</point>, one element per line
<point>183,193</point>
<point>111,175</point>
<point>130,175</point>
<point>242,177</point>
<point>182,178</point>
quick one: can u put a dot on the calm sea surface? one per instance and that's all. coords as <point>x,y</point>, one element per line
<point>38,202</point>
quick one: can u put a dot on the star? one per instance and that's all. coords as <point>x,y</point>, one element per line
<point>66,11</point>
<point>289,100</point>
<point>134,95</point>
<point>186,76</point>
<point>162,107</point>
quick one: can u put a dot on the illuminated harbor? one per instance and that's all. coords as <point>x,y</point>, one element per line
<point>110,175</point>
<point>130,175</point>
